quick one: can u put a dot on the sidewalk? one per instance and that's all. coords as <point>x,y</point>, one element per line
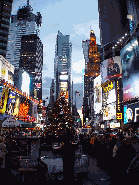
<point>97,175</point>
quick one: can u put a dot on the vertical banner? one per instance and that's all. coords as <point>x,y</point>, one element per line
<point>34,111</point>
<point>3,100</point>
<point>119,111</point>
<point>17,106</point>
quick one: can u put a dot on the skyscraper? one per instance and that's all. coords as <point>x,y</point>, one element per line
<point>113,21</point>
<point>92,69</point>
<point>62,66</point>
<point>31,60</point>
<point>24,23</point>
<point>5,14</point>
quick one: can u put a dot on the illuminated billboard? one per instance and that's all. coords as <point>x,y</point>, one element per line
<point>97,94</point>
<point>63,84</point>
<point>131,113</point>
<point>3,100</point>
<point>25,83</point>
<point>109,111</point>
<point>109,93</point>
<point>111,69</point>
<point>130,70</point>
<point>11,102</point>
<point>6,70</point>
<point>63,77</point>
<point>24,109</point>
<point>17,106</point>
<point>34,111</point>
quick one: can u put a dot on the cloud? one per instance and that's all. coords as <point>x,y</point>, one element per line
<point>78,66</point>
<point>84,29</point>
<point>77,79</point>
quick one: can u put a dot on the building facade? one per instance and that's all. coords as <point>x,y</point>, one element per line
<point>5,14</point>
<point>62,67</point>
<point>92,69</point>
<point>31,60</point>
<point>24,23</point>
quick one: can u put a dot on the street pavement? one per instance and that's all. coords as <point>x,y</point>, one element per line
<point>95,175</point>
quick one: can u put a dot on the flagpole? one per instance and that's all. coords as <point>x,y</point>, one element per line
<point>75,100</point>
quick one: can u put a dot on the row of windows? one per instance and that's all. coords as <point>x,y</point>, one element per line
<point>27,41</point>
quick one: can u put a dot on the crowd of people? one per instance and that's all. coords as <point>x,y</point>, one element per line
<point>115,154</point>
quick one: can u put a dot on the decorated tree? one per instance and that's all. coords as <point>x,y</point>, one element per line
<point>60,116</point>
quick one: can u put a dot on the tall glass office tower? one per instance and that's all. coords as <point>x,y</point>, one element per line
<point>62,66</point>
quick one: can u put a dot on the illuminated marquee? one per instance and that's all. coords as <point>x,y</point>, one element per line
<point>118,97</point>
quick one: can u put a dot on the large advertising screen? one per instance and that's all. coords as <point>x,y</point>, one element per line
<point>24,108</point>
<point>111,69</point>
<point>11,102</point>
<point>6,70</point>
<point>109,111</point>
<point>63,84</point>
<point>17,106</point>
<point>130,70</point>
<point>3,100</point>
<point>63,77</point>
<point>97,94</point>
<point>25,83</point>
<point>131,113</point>
<point>109,93</point>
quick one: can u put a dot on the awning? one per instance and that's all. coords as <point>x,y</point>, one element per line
<point>11,122</point>
<point>25,124</point>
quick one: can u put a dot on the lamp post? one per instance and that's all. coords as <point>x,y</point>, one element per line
<point>75,97</point>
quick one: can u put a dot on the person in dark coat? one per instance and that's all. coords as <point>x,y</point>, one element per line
<point>123,158</point>
<point>68,158</point>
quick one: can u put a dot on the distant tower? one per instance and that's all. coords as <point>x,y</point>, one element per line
<point>92,69</point>
<point>62,66</point>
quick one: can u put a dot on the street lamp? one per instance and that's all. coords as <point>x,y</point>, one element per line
<point>75,97</point>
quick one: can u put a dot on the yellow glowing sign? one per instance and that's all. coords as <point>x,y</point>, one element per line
<point>3,71</point>
<point>108,88</point>
<point>119,115</point>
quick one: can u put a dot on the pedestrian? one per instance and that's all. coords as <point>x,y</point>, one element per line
<point>68,158</point>
<point>123,158</point>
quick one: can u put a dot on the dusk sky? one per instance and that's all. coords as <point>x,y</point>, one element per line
<point>72,18</point>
